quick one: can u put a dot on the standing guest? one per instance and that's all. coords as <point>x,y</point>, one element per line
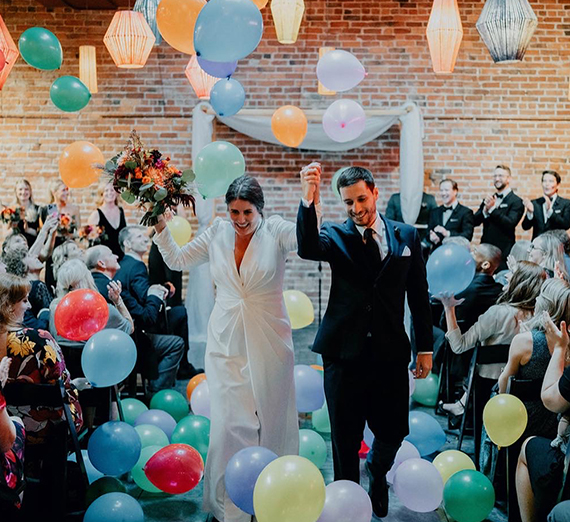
<point>500,214</point>
<point>549,212</point>
<point>24,199</point>
<point>394,212</point>
<point>374,262</point>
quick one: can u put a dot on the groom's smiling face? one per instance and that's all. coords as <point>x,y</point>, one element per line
<point>360,203</point>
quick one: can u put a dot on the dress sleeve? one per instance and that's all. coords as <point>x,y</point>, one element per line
<point>284,231</point>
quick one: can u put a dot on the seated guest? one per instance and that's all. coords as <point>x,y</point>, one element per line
<point>564,238</point>
<point>159,273</point>
<point>546,250</point>
<point>519,252</point>
<point>104,265</point>
<point>62,253</point>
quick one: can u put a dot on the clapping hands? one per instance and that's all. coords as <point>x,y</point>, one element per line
<point>310,181</point>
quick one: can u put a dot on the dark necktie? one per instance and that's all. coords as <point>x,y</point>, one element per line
<point>447,208</point>
<point>499,196</point>
<point>372,247</point>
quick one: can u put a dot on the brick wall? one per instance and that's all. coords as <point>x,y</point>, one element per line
<point>481,115</point>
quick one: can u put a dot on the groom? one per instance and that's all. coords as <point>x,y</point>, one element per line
<point>365,349</point>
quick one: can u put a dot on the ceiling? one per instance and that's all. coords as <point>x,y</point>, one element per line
<point>88,4</point>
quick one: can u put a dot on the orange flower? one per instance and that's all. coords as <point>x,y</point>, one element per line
<point>138,173</point>
<point>146,179</point>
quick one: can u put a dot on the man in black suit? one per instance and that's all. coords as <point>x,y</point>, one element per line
<point>394,212</point>
<point>451,218</point>
<point>500,214</point>
<point>103,265</point>
<point>362,339</point>
<point>550,212</point>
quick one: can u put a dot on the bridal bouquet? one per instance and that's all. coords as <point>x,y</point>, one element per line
<point>12,216</point>
<point>92,235</point>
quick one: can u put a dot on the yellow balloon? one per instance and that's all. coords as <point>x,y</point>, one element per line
<point>452,461</point>
<point>299,308</point>
<point>180,229</point>
<point>289,489</point>
<point>505,418</point>
<point>176,20</point>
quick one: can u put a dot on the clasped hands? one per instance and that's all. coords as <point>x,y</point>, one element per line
<point>310,181</point>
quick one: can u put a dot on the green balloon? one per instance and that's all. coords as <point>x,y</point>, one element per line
<point>468,496</point>
<point>41,49</point>
<point>321,420</point>
<point>151,435</point>
<point>69,94</point>
<point>103,486</point>
<point>193,430</point>
<point>217,165</point>
<point>335,179</point>
<point>132,408</point>
<point>426,390</point>
<point>138,473</point>
<point>313,447</point>
<point>171,402</point>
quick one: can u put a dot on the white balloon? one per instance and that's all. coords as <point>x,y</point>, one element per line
<point>340,70</point>
<point>344,120</point>
<point>418,485</point>
<point>407,451</point>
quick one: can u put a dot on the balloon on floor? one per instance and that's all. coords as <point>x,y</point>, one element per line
<point>313,447</point>
<point>418,485</point>
<point>114,448</point>
<point>309,388</point>
<point>425,433</point>
<point>114,507</point>
<point>346,501</point>
<point>194,430</point>
<point>172,402</point>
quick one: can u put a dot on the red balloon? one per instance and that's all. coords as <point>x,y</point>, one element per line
<point>2,60</point>
<point>80,314</point>
<point>176,468</point>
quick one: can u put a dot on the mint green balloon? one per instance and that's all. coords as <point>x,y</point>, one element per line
<point>171,402</point>
<point>468,496</point>
<point>193,430</point>
<point>335,179</point>
<point>132,408</point>
<point>41,49</point>
<point>138,473</point>
<point>69,94</point>
<point>426,390</point>
<point>321,420</point>
<point>216,166</point>
<point>151,435</point>
<point>313,447</point>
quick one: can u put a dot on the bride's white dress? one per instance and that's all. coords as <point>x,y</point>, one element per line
<point>249,352</point>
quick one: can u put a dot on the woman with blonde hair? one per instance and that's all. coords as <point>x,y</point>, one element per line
<point>64,252</point>
<point>547,251</point>
<point>24,199</point>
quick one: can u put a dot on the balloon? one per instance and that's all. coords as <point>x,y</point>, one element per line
<point>114,448</point>
<point>180,229</point>
<point>340,70</point>
<point>41,49</point>
<point>335,180</point>
<point>76,164</point>
<point>346,501</point>
<point>176,20</point>
<point>108,357</point>
<point>151,435</point>
<point>450,269</point>
<point>200,401</point>
<point>69,94</point>
<point>227,30</point>
<point>114,507</point>
<point>158,418</point>
<point>194,430</point>
<point>132,408</point>
<point>299,308</point>
<point>289,125</point>
<point>452,461</point>
<point>426,390</point>
<point>93,474</point>
<point>102,486</point>
<point>313,447</point>
<point>418,485</point>
<point>80,314</point>
<point>177,468</point>
<point>2,60</point>
<point>289,489</point>
<point>260,3</point>
<point>412,382</point>
<point>344,120</point>
<point>505,418</point>
<point>217,69</point>
<point>468,496</point>
<point>172,402</point>
<point>242,472</point>
<point>425,433</point>
<point>193,382</point>
<point>406,451</point>
<point>138,470</point>
<point>216,166</point>
<point>309,388</point>
<point>321,420</point>
<point>227,97</point>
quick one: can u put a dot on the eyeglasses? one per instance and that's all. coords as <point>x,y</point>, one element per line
<point>534,247</point>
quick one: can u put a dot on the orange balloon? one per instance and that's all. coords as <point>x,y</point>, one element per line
<point>260,3</point>
<point>176,20</point>
<point>76,164</point>
<point>289,125</point>
<point>194,381</point>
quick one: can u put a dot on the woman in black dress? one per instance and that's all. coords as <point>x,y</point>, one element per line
<point>24,199</point>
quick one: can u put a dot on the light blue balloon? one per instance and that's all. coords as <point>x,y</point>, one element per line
<point>227,97</point>
<point>114,507</point>
<point>450,269</point>
<point>114,448</point>
<point>425,433</point>
<point>216,166</point>
<point>227,30</point>
<point>41,49</point>
<point>69,94</point>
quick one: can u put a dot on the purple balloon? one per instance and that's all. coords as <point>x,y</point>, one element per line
<point>157,418</point>
<point>346,501</point>
<point>407,451</point>
<point>339,70</point>
<point>418,485</point>
<point>344,120</point>
<point>242,472</point>
<point>217,69</point>
<point>200,400</point>
<point>309,388</point>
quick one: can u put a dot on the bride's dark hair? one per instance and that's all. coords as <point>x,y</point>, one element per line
<point>247,188</point>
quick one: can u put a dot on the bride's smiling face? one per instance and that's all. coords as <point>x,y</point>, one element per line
<point>244,215</point>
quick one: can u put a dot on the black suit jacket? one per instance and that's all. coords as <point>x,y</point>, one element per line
<point>364,299</point>
<point>460,223</point>
<point>394,210</point>
<point>559,220</point>
<point>101,282</point>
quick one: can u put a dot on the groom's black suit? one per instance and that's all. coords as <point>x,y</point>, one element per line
<point>362,339</point>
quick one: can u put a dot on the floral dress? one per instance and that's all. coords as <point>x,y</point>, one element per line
<point>37,358</point>
<point>12,462</point>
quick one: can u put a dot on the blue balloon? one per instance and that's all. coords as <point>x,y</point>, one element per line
<point>227,97</point>
<point>309,388</point>
<point>158,418</point>
<point>69,94</point>
<point>217,69</point>
<point>108,357</point>
<point>242,472</point>
<point>114,448</point>
<point>425,433</point>
<point>450,269</point>
<point>227,30</point>
<point>114,507</point>
<point>41,49</point>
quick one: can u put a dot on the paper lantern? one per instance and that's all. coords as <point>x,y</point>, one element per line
<point>287,16</point>
<point>506,27</point>
<point>129,40</point>
<point>444,35</point>
<point>201,81</point>
<point>148,9</point>
<point>88,67</point>
<point>9,51</point>
<point>322,90</point>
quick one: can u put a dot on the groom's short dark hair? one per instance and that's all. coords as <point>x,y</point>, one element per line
<point>352,175</point>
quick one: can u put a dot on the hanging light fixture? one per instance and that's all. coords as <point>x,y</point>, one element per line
<point>444,34</point>
<point>506,27</point>
<point>201,81</point>
<point>9,52</point>
<point>88,67</point>
<point>287,16</point>
<point>322,90</point>
<point>148,9</point>
<point>129,40</point>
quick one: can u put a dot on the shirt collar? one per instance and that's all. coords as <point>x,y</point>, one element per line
<point>505,192</point>
<point>453,206</point>
<point>552,199</point>
<point>378,226</point>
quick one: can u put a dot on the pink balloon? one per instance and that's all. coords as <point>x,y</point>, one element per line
<point>200,400</point>
<point>2,60</point>
<point>346,501</point>
<point>407,451</point>
<point>344,120</point>
<point>339,70</point>
<point>418,485</point>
